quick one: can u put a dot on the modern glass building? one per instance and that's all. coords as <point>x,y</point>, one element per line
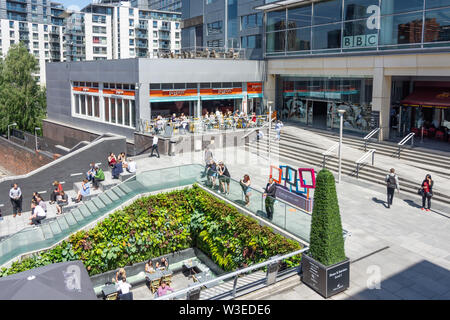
<point>377,59</point>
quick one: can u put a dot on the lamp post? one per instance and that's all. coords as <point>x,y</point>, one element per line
<point>10,125</point>
<point>341,115</point>
<point>269,104</point>
<point>35,136</point>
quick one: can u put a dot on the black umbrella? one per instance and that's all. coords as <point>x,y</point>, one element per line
<point>59,281</point>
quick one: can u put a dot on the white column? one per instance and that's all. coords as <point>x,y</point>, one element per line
<point>381,97</point>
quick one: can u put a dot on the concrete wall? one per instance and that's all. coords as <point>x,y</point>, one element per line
<point>60,169</point>
<point>18,160</point>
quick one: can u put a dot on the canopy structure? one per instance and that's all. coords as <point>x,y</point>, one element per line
<point>59,281</point>
<point>428,97</point>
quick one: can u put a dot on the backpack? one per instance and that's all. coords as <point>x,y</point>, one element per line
<point>391,181</point>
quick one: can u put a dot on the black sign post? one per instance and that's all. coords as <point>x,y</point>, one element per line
<point>374,120</point>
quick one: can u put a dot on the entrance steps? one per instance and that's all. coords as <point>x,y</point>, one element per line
<point>297,149</point>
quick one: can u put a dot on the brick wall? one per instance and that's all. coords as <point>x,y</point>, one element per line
<point>20,160</point>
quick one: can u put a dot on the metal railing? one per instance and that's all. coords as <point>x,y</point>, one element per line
<point>363,160</point>
<point>329,152</point>
<point>234,275</point>
<point>402,143</point>
<point>370,135</point>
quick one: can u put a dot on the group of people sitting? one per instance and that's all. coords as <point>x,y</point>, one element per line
<point>119,164</point>
<point>229,119</point>
<point>163,264</point>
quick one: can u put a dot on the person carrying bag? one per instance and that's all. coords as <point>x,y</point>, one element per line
<point>427,192</point>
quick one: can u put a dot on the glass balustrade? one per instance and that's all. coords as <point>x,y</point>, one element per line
<point>50,232</point>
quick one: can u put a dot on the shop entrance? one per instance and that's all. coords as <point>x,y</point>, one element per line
<point>320,114</point>
<point>223,105</point>
<point>166,109</point>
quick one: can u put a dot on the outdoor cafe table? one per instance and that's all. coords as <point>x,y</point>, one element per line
<point>109,290</point>
<point>203,277</point>
<point>154,276</point>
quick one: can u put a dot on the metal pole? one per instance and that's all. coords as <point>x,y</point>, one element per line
<point>341,114</point>
<point>270,127</point>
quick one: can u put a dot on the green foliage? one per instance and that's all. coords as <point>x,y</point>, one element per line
<point>165,223</point>
<point>326,239</point>
<point>22,100</point>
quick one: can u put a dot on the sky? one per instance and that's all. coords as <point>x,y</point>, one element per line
<point>74,4</point>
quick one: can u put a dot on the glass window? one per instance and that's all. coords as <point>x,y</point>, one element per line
<point>155,86</point>
<point>227,85</point>
<point>299,17</point>
<point>118,86</point>
<point>214,27</point>
<point>401,29</point>
<point>83,104</point>
<point>191,86</point>
<point>179,85</point>
<point>77,103</point>
<point>205,85</point>
<point>299,39</point>
<point>126,86</point>
<point>251,42</point>
<point>119,111</point>
<point>327,11</point>
<point>106,100</point>
<point>126,110</point>
<point>327,37</point>
<point>237,84</point>
<point>167,86</point>
<point>356,35</point>
<point>113,110</point>
<point>112,85</point>
<point>437,25</point>
<point>357,9</point>
<point>436,3</point>
<point>398,6</point>
<point>133,113</point>
<point>276,20</point>
<point>89,105</point>
<point>276,41</point>
<point>96,107</point>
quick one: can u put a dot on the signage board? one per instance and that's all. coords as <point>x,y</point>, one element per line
<point>360,41</point>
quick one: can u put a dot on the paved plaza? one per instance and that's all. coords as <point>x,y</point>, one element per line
<point>402,252</point>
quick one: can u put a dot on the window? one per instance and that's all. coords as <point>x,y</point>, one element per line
<point>106,102</point>
<point>214,27</point>
<point>327,12</point>
<point>401,29</point>
<point>35,27</point>
<point>299,39</point>
<point>276,41</point>
<point>11,34</point>
<point>45,28</point>
<point>251,42</point>
<point>11,24</point>
<point>356,35</point>
<point>215,43</point>
<point>113,110</point>
<point>299,17</point>
<point>177,25</point>
<point>131,33</point>
<point>131,42</point>
<point>119,111</point>
<point>327,36</point>
<point>126,110</point>
<point>35,36</point>
<point>276,20</point>
<point>155,24</point>
<point>131,22</point>
<point>177,35</point>
<point>251,21</point>
<point>437,25</point>
<point>131,12</point>
<point>399,6</point>
<point>96,107</point>
<point>357,9</point>
<point>436,3</point>
<point>155,34</point>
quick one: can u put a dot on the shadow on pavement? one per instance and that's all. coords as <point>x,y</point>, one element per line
<point>412,204</point>
<point>376,200</point>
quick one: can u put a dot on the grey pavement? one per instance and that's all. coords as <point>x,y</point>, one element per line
<point>413,258</point>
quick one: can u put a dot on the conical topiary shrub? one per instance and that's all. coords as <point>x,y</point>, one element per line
<point>326,238</point>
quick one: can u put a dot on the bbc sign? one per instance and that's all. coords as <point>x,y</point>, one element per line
<point>364,40</point>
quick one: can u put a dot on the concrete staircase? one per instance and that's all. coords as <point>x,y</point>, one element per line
<point>305,152</point>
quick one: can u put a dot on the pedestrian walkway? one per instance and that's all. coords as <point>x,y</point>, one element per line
<point>409,248</point>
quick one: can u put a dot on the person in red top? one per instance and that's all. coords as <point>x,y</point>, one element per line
<point>56,191</point>
<point>111,160</point>
<point>427,192</point>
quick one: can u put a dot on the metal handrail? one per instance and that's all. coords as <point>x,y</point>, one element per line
<point>363,159</point>
<point>370,135</point>
<point>329,152</point>
<point>410,136</point>
<point>233,274</point>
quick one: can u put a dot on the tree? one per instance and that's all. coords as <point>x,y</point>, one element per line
<point>326,238</point>
<point>22,99</point>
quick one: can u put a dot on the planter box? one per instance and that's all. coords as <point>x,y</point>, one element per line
<point>327,281</point>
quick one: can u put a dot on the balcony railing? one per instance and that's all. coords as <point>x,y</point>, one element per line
<point>142,26</point>
<point>164,36</point>
<point>167,28</point>
<point>17,8</point>
<point>142,45</point>
<point>142,35</point>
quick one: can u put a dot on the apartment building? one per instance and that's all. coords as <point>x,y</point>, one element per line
<point>36,23</point>
<point>120,31</point>
<point>166,5</point>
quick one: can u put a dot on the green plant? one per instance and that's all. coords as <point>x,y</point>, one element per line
<point>165,223</point>
<point>326,237</point>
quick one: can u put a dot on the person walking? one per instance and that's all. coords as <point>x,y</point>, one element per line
<point>392,184</point>
<point>15,195</point>
<point>155,146</point>
<point>224,177</point>
<point>208,158</point>
<point>278,127</point>
<point>269,193</point>
<point>427,192</point>
<point>245,184</point>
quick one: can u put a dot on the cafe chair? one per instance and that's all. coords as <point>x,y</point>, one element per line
<point>126,296</point>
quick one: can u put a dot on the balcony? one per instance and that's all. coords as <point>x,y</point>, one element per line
<point>142,45</point>
<point>17,8</point>
<point>24,37</point>
<point>163,36</point>
<point>19,1</point>
<point>164,28</point>
<point>23,29</point>
<point>142,26</point>
<point>164,46</point>
<point>141,35</point>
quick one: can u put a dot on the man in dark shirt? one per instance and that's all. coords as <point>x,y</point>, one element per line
<point>269,193</point>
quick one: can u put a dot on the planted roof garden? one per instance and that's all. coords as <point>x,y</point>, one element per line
<point>164,223</point>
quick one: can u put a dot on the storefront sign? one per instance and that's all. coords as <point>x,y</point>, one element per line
<point>173,93</point>
<point>118,92</point>
<point>221,91</point>
<point>368,40</point>
<point>254,87</point>
<point>85,89</point>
